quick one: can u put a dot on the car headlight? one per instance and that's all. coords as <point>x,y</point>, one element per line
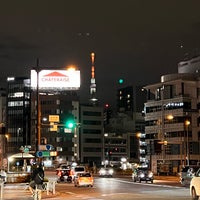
<point>110,171</point>
<point>142,175</point>
<point>102,171</point>
<point>150,174</point>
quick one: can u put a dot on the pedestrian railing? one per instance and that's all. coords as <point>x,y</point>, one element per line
<point>49,186</point>
<point>2,188</point>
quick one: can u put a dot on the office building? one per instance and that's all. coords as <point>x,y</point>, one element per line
<point>172,122</point>
<point>91,134</point>
<point>3,136</point>
<point>18,116</point>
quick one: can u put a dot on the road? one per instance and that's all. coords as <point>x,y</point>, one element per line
<point>124,189</point>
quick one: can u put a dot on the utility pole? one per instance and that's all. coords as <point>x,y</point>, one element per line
<point>38,108</point>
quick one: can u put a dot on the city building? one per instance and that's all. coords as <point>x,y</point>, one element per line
<point>3,136</point>
<point>54,104</point>
<point>116,148</point>
<point>18,118</point>
<point>91,134</point>
<point>189,65</point>
<point>55,133</point>
<point>172,122</point>
<point>125,126</point>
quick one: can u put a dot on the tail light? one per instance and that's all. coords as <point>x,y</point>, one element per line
<point>59,173</point>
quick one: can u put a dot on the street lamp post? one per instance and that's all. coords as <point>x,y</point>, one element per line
<point>38,128</point>
<point>187,123</point>
<point>38,107</point>
<point>76,141</point>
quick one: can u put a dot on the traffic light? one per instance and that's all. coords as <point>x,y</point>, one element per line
<point>121,81</point>
<point>70,124</point>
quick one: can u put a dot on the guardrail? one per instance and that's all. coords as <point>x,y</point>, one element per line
<point>50,186</point>
<point>2,188</point>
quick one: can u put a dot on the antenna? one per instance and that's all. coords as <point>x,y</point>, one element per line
<point>92,83</point>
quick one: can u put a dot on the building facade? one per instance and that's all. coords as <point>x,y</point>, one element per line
<point>3,136</point>
<point>91,134</point>
<point>18,114</point>
<point>55,133</point>
<point>172,122</point>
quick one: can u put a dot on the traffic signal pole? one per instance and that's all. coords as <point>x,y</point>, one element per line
<point>38,111</point>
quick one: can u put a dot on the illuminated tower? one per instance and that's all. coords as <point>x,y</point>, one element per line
<point>93,98</point>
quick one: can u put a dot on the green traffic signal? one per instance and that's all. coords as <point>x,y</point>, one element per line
<point>70,124</point>
<point>121,81</point>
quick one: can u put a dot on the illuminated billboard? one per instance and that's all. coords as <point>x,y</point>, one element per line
<point>56,79</point>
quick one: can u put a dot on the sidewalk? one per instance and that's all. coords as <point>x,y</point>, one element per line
<point>168,178</point>
<point>20,191</point>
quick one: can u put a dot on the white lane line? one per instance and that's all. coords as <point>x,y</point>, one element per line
<point>153,185</point>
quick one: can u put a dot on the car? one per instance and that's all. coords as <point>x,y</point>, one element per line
<point>83,179</point>
<point>195,186</point>
<point>64,175</point>
<point>187,174</point>
<point>142,175</point>
<point>106,172</point>
<point>77,169</point>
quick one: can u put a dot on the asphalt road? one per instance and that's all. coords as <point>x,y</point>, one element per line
<point>117,188</point>
<point>123,188</point>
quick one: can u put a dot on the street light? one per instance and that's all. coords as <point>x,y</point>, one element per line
<point>164,142</point>
<point>76,141</point>
<point>187,123</point>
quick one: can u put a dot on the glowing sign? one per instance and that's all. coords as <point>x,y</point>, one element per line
<point>56,79</point>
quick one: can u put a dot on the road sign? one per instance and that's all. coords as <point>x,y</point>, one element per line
<point>53,153</point>
<point>48,147</point>
<point>26,150</point>
<point>45,147</point>
<point>54,118</point>
<point>68,130</point>
<point>41,154</point>
<point>54,127</point>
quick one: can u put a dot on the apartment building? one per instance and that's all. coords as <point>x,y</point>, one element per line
<point>172,122</point>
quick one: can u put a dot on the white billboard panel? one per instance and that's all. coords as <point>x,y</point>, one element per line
<point>56,79</point>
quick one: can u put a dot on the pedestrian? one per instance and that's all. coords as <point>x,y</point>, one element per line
<point>37,178</point>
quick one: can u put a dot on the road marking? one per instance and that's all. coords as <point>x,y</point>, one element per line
<point>153,185</point>
<point>110,194</point>
<point>72,193</point>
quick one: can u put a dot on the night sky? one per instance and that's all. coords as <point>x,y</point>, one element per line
<point>138,40</point>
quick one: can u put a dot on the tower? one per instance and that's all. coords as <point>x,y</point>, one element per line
<point>93,98</point>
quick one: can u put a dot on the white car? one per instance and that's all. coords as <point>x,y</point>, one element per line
<point>108,172</point>
<point>76,170</point>
<point>195,186</point>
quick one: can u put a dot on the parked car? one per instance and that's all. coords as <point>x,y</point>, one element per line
<point>83,179</point>
<point>106,172</point>
<point>187,173</point>
<point>195,186</point>
<point>141,174</point>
